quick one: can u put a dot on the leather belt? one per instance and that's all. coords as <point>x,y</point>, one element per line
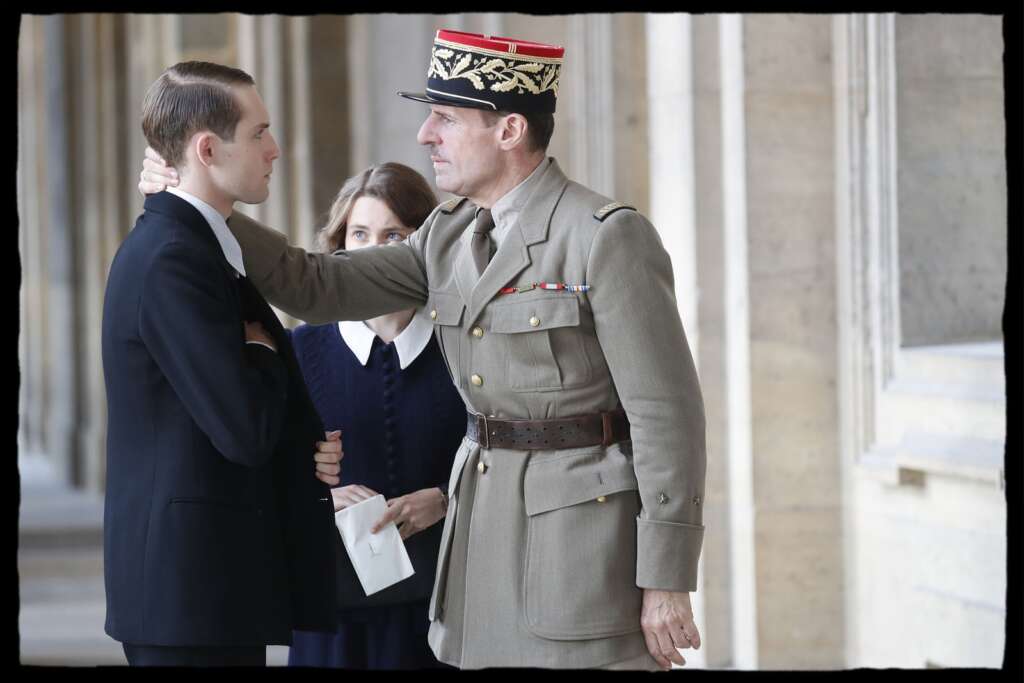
<point>595,429</point>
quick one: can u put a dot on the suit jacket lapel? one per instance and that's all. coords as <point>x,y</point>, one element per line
<point>513,256</point>
<point>180,210</point>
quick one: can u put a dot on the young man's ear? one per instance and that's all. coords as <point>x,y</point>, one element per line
<point>204,145</point>
<point>512,131</point>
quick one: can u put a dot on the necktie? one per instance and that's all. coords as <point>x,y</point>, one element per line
<point>480,243</point>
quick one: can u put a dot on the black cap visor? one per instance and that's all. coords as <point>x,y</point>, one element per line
<point>448,101</point>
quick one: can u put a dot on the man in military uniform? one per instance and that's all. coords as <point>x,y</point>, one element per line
<point>573,525</point>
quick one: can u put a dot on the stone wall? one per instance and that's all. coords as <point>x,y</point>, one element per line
<point>952,177</point>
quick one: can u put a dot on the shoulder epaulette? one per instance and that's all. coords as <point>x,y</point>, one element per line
<point>609,209</point>
<point>452,204</point>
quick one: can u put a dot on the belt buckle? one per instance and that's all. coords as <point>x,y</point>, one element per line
<point>486,441</point>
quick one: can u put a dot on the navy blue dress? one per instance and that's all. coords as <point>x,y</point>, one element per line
<point>400,431</point>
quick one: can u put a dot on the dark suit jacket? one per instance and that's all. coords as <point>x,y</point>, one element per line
<point>216,531</point>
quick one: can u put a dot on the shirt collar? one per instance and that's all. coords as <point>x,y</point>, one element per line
<point>409,344</point>
<point>506,209</point>
<point>228,244</point>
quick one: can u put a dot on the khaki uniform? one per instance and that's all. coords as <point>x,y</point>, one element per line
<point>544,552</point>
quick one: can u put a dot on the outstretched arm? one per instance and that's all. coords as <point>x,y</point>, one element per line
<point>318,288</point>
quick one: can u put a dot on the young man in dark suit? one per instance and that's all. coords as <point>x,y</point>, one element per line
<point>217,532</point>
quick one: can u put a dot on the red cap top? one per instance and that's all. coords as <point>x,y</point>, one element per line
<point>499,44</point>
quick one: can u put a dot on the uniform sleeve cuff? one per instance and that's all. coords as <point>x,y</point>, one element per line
<point>666,555</point>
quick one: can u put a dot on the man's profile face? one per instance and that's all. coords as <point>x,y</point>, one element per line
<point>242,167</point>
<point>463,149</point>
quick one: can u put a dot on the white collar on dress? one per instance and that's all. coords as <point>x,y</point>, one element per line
<point>228,244</point>
<point>408,344</point>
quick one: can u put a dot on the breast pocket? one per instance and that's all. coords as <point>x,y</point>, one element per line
<point>580,566</point>
<point>544,349</point>
<point>445,310</point>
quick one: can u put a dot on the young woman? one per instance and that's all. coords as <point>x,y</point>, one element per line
<point>383,382</point>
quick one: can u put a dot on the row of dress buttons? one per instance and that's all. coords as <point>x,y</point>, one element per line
<point>478,332</point>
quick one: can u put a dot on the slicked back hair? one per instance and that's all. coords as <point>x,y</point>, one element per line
<point>190,97</point>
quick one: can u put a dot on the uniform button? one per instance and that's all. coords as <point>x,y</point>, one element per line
<point>662,498</point>
<point>477,380</point>
<point>481,467</point>
<point>534,321</point>
<point>601,499</point>
<point>433,314</point>
<point>478,332</point>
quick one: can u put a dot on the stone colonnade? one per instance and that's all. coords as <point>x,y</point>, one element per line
<point>763,148</point>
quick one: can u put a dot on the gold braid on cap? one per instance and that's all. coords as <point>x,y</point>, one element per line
<point>502,75</point>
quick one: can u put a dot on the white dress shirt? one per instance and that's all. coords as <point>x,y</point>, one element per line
<point>228,244</point>
<point>409,344</point>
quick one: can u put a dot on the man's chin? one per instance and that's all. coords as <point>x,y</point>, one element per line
<point>444,183</point>
<point>254,198</point>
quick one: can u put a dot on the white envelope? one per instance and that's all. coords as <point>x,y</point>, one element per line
<point>380,559</point>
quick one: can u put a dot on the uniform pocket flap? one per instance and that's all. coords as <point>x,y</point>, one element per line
<point>445,308</point>
<point>537,314</point>
<point>554,484</point>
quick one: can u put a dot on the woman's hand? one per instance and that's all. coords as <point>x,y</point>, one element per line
<point>413,512</point>
<point>350,495</point>
<point>156,175</point>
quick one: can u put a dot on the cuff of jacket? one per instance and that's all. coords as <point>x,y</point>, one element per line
<point>666,555</point>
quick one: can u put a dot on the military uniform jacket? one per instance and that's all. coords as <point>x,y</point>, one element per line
<point>544,553</point>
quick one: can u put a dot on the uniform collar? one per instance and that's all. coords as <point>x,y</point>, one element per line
<point>228,244</point>
<point>507,208</point>
<point>409,344</point>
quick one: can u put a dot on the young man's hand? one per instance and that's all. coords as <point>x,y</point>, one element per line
<point>328,457</point>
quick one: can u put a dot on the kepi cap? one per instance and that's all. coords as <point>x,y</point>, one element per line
<point>492,73</point>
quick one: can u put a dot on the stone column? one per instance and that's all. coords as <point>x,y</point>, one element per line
<point>494,24</point>
<point>248,32</point>
<point>590,69</point>
<point>737,345</point>
<point>32,213</point>
<point>145,39</point>
<point>113,191</point>
<point>301,136</point>
<point>273,59</point>
<point>63,418</point>
<point>793,339</point>
<point>360,63</point>
<point>384,125</point>
<point>631,141</point>
<point>332,99</point>
<point>670,104</point>
<point>90,429</point>
<point>711,312</point>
